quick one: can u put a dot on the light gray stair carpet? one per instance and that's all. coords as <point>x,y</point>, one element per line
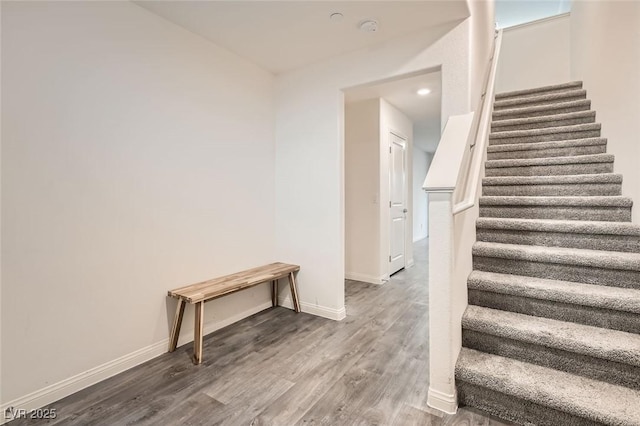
<point>551,335</point>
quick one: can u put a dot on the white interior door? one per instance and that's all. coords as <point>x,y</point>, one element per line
<point>398,202</point>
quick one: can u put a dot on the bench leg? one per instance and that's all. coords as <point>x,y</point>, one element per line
<point>274,293</point>
<point>177,323</point>
<point>294,292</point>
<point>197,333</point>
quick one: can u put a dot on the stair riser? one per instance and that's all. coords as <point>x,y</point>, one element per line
<point>515,409</point>
<point>581,314</point>
<point>542,125</point>
<point>527,102</point>
<point>543,111</point>
<point>559,136</point>
<point>551,170</point>
<point>607,214</point>
<point>504,97</point>
<point>546,153</point>
<point>556,271</point>
<point>553,190</point>
<point>592,367</point>
<point>623,243</point>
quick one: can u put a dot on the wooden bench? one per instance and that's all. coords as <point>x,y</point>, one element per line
<point>198,294</point>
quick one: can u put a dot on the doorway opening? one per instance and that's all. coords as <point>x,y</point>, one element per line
<point>392,129</point>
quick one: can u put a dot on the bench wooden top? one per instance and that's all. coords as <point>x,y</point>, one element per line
<point>217,287</point>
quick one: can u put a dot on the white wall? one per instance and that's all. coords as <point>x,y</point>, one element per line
<point>136,157</point>
<point>310,149</point>
<point>605,55</point>
<point>481,38</point>
<point>393,120</point>
<point>421,161</point>
<point>362,191</point>
<point>535,54</point>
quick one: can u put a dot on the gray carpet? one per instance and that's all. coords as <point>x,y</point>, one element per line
<point>552,332</point>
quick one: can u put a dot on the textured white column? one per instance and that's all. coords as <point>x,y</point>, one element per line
<point>443,349</point>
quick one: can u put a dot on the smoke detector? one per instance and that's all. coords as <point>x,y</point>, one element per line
<point>369,26</point>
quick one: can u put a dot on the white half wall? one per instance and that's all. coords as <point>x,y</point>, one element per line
<point>362,191</point>
<point>605,55</point>
<point>136,157</point>
<point>535,54</point>
<point>310,206</point>
<point>420,163</point>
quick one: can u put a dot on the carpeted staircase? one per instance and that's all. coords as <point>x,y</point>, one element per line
<point>552,332</point>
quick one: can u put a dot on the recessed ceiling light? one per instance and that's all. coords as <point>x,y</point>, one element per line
<point>423,92</point>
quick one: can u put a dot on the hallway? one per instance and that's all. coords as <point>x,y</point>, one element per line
<point>279,368</point>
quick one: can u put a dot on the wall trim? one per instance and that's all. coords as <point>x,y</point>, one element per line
<point>441,401</point>
<point>537,21</point>
<point>309,308</point>
<point>365,278</point>
<point>73,384</point>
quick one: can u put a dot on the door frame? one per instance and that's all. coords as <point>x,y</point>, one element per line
<point>389,132</point>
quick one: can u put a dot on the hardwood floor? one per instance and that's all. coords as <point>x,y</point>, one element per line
<point>282,368</point>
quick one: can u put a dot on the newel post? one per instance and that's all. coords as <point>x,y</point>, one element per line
<point>443,346</point>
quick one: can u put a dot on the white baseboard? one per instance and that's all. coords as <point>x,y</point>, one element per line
<point>355,276</point>
<point>410,263</point>
<point>441,401</point>
<point>66,387</point>
<point>321,311</point>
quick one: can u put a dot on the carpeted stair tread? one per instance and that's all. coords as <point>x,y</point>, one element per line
<point>528,92</point>
<point>542,98</point>
<point>542,110</point>
<point>546,149</point>
<point>540,121</point>
<point>560,232</point>
<point>602,201</point>
<point>603,297</point>
<point>552,180</point>
<point>611,345</point>
<point>510,134</point>
<point>545,145</point>
<point>559,255</point>
<point>574,159</point>
<point>534,184</point>
<point>579,396</point>
<point>550,225</point>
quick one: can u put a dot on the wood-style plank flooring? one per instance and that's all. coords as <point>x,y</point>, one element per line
<point>282,368</point>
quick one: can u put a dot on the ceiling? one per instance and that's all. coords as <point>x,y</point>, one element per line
<point>515,12</point>
<point>284,35</point>
<point>424,111</point>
